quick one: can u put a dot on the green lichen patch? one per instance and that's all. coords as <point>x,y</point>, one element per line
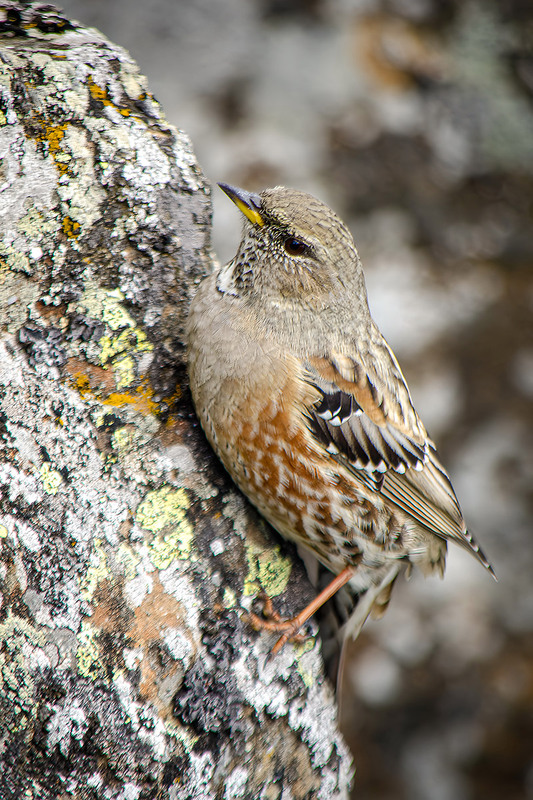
<point>36,225</point>
<point>51,478</point>
<point>163,512</point>
<point>13,260</point>
<point>96,572</point>
<point>17,682</point>
<point>88,653</point>
<point>267,569</point>
<point>129,560</point>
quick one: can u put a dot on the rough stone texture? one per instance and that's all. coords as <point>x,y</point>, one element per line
<point>414,119</point>
<point>126,556</point>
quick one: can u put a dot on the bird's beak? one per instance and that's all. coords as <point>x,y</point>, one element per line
<point>247,202</point>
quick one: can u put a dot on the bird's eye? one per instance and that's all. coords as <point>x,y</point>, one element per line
<point>295,247</point>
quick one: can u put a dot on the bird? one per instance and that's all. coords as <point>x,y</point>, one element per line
<point>307,408</point>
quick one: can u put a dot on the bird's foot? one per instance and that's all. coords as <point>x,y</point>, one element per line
<point>290,627</point>
<point>274,622</point>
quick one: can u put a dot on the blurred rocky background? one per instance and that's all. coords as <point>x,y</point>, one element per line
<point>414,120</point>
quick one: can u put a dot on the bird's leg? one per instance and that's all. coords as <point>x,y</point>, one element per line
<point>290,627</point>
<point>296,623</point>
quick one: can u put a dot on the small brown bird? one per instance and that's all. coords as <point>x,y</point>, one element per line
<point>306,406</point>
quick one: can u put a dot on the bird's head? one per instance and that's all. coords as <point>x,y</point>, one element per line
<point>294,249</point>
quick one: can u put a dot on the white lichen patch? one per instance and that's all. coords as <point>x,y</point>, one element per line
<point>19,484</point>
<point>137,588</point>
<point>269,693</point>
<point>68,722</point>
<point>131,791</point>
<point>202,771</point>
<point>179,646</point>
<point>82,193</point>
<point>180,585</point>
<point>235,785</point>
<point>20,642</point>
<point>27,535</point>
<point>323,738</point>
<point>144,720</point>
<point>148,170</point>
<point>30,200</point>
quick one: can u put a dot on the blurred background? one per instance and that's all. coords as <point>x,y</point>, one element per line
<point>414,120</point>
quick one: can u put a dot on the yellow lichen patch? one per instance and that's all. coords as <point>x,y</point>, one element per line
<point>51,478</point>
<point>174,544</point>
<point>128,341</point>
<point>89,378</point>
<point>307,677</point>
<point>124,369</point>
<point>117,357</point>
<point>88,655</point>
<point>163,512</point>
<point>71,228</point>
<point>117,351</point>
<point>53,135</point>
<point>162,507</point>
<point>139,398</point>
<point>111,345</point>
<point>96,572</point>
<point>266,569</point>
<point>13,260</point>
<point>97,93</point>
<point>81,383</point>
<point>3,531</point>
<point>301,649</point>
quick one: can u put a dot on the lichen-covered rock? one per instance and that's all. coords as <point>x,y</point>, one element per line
<point>126,556</point>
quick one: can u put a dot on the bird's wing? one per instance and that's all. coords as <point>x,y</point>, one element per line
<point>364,418</point>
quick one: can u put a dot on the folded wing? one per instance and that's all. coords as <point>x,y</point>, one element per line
<point>364,418</point>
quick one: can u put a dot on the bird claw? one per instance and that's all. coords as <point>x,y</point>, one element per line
<point>273,622</point>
